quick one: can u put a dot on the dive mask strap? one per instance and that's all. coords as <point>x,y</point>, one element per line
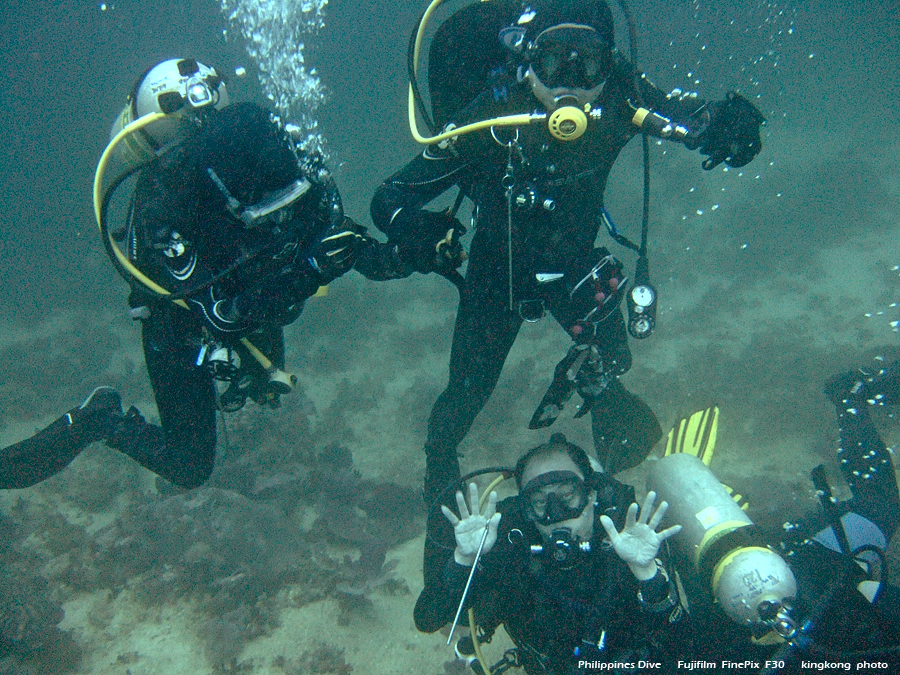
<point>262,211</point>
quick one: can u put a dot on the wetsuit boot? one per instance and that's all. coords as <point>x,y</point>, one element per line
<point>144,443</point>
<point>53,448</point>
<point>434,608</point>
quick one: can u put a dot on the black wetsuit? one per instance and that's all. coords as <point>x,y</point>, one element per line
<point>864,460</point>
<point>573,174</point>
<point>238,279</point>
<point>837,623</point>
<point>588,610</point>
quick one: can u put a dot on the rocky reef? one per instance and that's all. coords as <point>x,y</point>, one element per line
<point>281,524</point>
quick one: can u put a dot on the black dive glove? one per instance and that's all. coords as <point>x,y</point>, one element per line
<point>430,241</point>
<point>335,251</point>
<point>733,132</point>
<point>280,298</point>
<point>277,301</point>
<point>277,296</point>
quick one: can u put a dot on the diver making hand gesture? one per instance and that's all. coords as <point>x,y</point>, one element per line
<point>638,542</point>
<point>545,571</point>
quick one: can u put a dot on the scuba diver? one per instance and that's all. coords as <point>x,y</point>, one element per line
<point>231,228</point>
<point>743,598</point>
<point>534,103</point>
<point>570,594</point>
<point>782,600</point>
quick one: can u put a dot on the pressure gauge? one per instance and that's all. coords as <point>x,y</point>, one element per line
<point>641,310</point>
<point>643,296</point>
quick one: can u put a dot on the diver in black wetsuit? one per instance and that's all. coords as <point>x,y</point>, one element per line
<point>841,605</point>
<point>779,600</point>
<point>538,195</point>
<point>848,559</point>
<point>570,566</point>
<point>231,228</point>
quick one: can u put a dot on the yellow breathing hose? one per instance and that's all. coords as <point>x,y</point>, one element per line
<point>137,125</point>
<point>473,629</point>
<point>505,121</point>
<point>487,492</point>
<point>426,17</point>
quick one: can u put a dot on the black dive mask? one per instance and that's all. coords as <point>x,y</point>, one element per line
<point>555,496</point>
<point>571,57</point>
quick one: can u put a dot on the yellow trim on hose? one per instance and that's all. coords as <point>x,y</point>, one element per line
<point>425,18</point>
<point>487,491</point>
<point>288,379</point>
<point>505,121</point>
<point>473,629</point>
<point>137,125</point>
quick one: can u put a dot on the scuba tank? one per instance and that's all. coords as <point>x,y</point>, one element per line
<point>753,584</point>
<point>464,50</point>
<point>133,151</point>
<point>172,87</point>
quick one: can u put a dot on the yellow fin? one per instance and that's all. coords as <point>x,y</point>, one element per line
<point>695,435</point>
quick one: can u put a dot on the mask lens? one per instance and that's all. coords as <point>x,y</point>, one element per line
<point>554,502</point>
<point>547,65</point>
<point>571,58</point>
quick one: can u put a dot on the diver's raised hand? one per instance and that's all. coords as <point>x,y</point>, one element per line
<point>733,134</point>
<point>638,542</point>
<point>469,527</point>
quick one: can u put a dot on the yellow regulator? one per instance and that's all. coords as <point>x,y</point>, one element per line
<point>567,123</point>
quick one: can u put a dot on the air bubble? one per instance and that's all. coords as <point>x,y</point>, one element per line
<point>274,32</point>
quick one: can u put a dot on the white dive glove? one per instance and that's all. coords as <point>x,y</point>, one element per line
<point>638,542</point>
<point>469,527</point>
